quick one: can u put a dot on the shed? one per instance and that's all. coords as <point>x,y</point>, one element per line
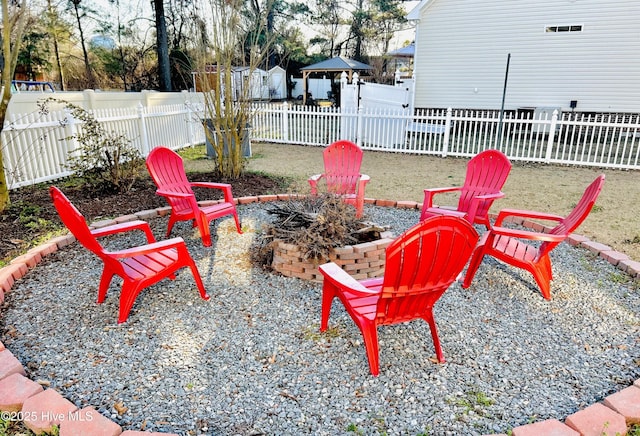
<point>255,87</point>
<point>277,83</point>
<point>257,80</point>
<point>571,55</point>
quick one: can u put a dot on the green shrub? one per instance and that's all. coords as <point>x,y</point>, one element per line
<point>105,161</point>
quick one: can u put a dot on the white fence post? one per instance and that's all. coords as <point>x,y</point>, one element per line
<point>70,132</point>
<point>285,121</point>
<point>356,97</point>
<point>190,119</point>
<point>144,138</point>
<point>447,130</point>
<point>359,128</point>
<point>343,84</point>
<point>552,136</point>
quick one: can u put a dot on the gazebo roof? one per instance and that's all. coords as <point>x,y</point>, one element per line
<point>333,65</point>
<point>337,64</point>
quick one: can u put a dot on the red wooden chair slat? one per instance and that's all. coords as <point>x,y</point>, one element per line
<point>167,171</point>
<point>421,264</point>
<point>486,174</point>
<point>511,246</point>
<point>342,162</point>
<point>139,267</point>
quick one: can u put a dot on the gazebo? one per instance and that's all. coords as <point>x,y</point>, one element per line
<point>333,65</point>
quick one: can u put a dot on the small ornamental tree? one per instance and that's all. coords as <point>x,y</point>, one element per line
<point>232,52</point>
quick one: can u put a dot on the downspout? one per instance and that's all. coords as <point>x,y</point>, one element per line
<point>504,94</point>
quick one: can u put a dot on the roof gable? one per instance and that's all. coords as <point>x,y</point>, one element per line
<point>415,12</point>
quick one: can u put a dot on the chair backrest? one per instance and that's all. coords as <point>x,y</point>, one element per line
<point>421,264</point>
<point>167,171</point>
<point>487,173</point>
<point>75,222</point>
<point>579,213</point>
<point>342,161</point>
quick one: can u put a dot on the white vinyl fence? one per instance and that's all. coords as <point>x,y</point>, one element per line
<point>37,146</point>
<point>599,140</point>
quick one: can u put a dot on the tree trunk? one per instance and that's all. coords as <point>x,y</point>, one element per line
<point>16,23</point>
<point>56,49</point>
<point>357,25</point>
<point>6,96</point>
<point>162,47</point>
<point>90,78</point>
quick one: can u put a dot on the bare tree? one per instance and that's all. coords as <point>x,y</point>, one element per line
<point>360,23</point>
<point>79,13</point>
<point>228,91</point>
<point>14,17</point>
<point>57,30</point>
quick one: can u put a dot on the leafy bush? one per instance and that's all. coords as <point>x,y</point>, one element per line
<point>105,161</point>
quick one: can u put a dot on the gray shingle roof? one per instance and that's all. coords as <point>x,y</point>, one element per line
<point>338,64</point>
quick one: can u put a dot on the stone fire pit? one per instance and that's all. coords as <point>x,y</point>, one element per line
<point>361,261</point>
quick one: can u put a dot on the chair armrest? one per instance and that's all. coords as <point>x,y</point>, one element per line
<point>313,182</point>
<point>167,193</point>
<point>212,185</point>
<point>362,183</point>
<point>342,280</point>
<point>527,234</point>
<point>149,248</point>
<point>224,187</point>
<point>493,196</point>
<point>432,192</point>
<point>504,213</point>
<point>125,227</point>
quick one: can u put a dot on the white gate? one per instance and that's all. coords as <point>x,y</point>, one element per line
<point>394,103</point>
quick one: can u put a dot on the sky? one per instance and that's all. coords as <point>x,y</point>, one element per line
<point>406,35</point>
<point>145,6</point>
<point>142,9</point>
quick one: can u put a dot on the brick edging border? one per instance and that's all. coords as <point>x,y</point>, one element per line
<point>22,397</point>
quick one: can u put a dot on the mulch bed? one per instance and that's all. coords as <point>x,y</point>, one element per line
<point>31,214</point>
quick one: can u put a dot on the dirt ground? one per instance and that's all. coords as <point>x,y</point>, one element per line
<point>31,218</point>
<point>615,221</point>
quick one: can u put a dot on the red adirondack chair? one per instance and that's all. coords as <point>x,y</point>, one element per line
<point>139,267</point>
<point>167,171</point>
<point>511,246</point>
<point>486,175</point>
<point>421,265</point>
<point>342,161</point>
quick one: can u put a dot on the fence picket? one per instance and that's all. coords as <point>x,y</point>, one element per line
<point>36,146</point>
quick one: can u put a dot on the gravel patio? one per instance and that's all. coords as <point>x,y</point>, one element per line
<point>252,361</point>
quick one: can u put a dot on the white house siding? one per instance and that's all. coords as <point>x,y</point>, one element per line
<point>462,48</point>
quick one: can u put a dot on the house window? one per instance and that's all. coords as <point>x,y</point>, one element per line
<point>571,28</point>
